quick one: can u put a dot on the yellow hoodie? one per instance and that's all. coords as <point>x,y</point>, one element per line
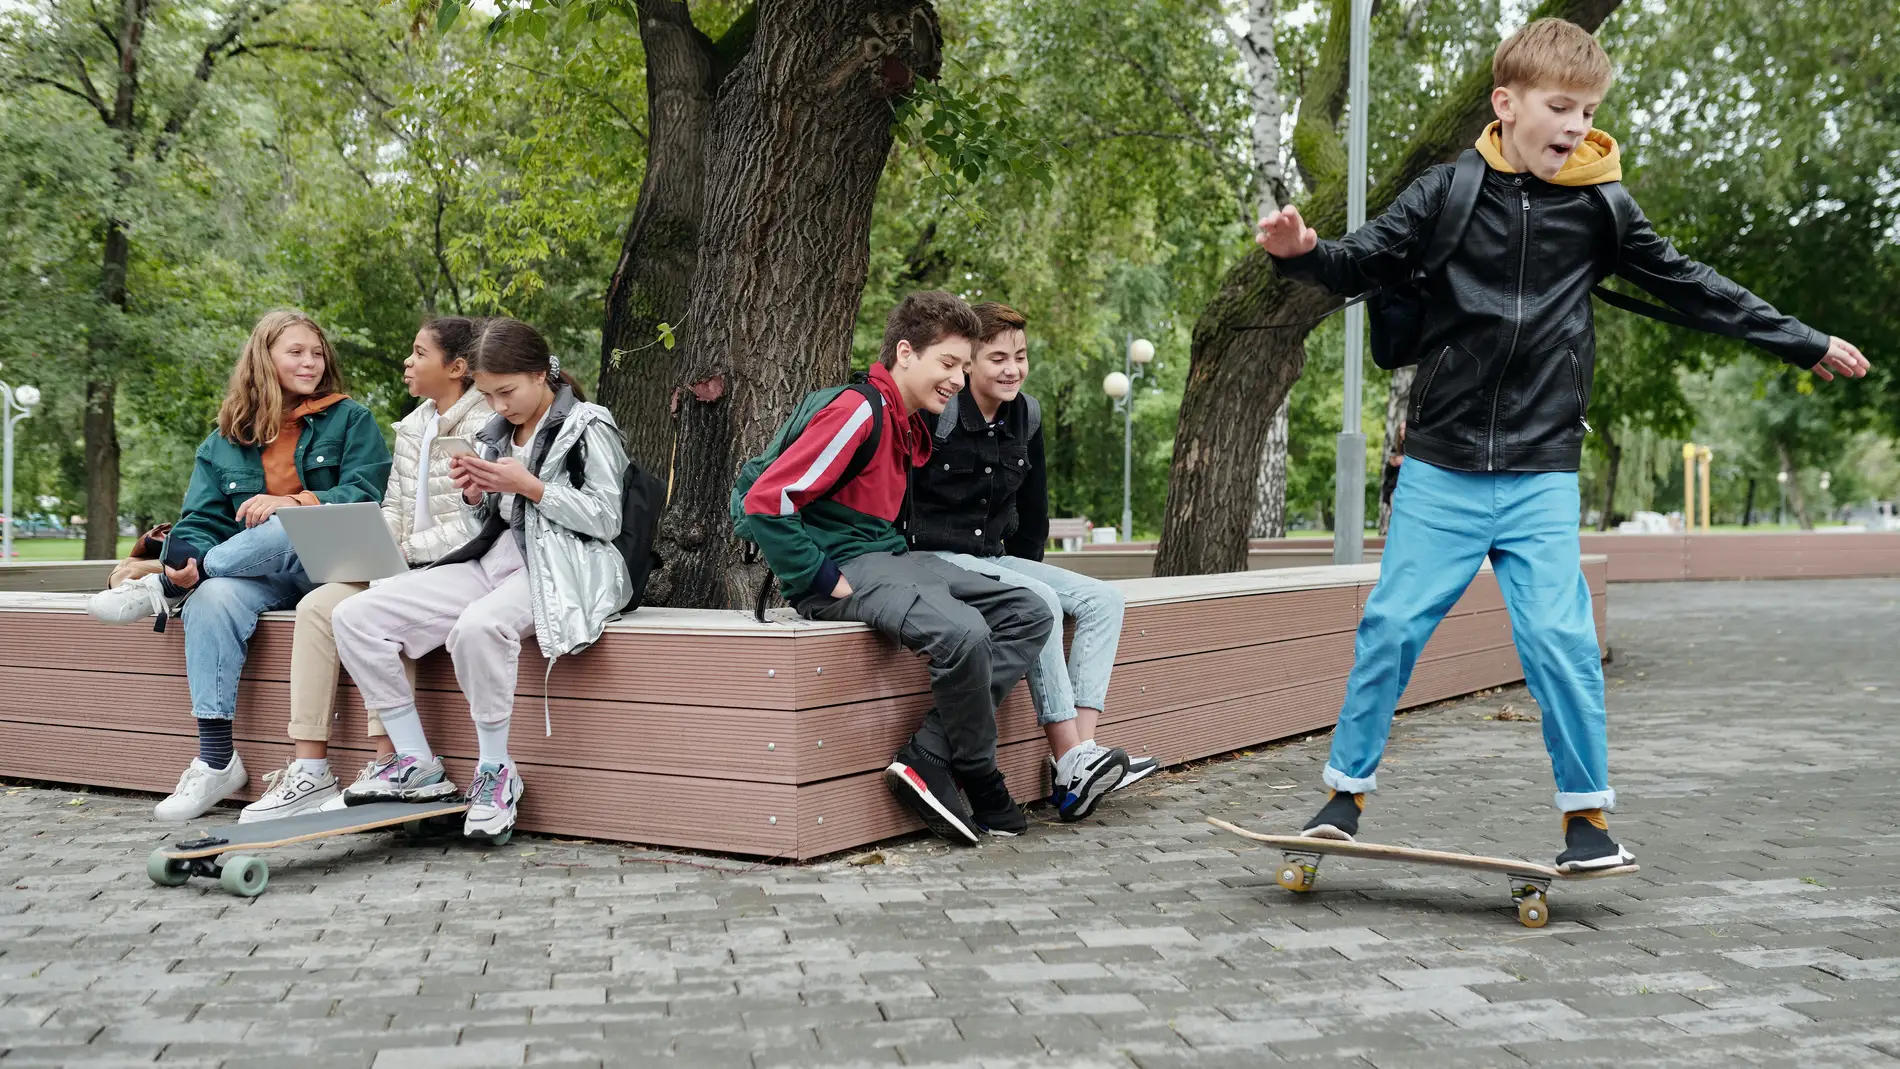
<point>1596,160</point>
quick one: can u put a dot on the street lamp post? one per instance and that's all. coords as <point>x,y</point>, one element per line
<point>1781,480</point>
<point>15,405</point>
<point>1120,386</point>
<point>1349,470</point>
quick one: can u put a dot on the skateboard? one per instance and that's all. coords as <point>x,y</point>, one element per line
<point>1530,882</point>
<point>216,855</point>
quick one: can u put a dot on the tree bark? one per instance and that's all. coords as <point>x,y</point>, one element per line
<point>798,140</point>
<point>1269,504</point>
<point>1397,397</point>
<point>653,282</point>
<point>1795,497</point>
<point>1240,373</point>
<point>1613,453</point>
<point>1748,503</point>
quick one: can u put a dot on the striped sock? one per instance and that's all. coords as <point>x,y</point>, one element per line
<point>214,742</point>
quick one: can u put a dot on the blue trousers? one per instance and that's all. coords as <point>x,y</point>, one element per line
<point>1444,525</point>
<point>252,572</point>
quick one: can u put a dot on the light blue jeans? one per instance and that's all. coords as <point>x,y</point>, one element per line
<point>1444,525</point>
<point>252,572</point>
<point>1060,684</point>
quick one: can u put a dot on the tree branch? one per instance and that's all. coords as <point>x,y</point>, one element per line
<point>589,90</point>
<point>1318,150</point>
<point>35,79</point>
<point>1166,87</point>
<point>220,46</point>
<point>92,91</point>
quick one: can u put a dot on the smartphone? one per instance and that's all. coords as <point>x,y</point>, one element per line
<point>456,447</point>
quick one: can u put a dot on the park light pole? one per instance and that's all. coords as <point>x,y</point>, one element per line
<point>1781,480</point>
<point>1349,467</point>
<point>1120,385</point>
<point>15,405</point>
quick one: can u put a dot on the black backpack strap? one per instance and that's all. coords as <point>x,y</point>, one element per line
<point>1467,178</point>
<point>1622,209</point>
<point>1033,418</point>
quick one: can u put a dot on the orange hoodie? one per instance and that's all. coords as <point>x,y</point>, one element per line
<point>280,456</point>
<point>1596,160</point>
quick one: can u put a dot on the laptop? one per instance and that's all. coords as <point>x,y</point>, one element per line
<point>343,543</point>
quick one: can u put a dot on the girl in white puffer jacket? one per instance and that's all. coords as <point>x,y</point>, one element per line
<point>423,509</point>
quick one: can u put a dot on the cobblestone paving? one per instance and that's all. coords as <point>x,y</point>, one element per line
<point>1754,745</point>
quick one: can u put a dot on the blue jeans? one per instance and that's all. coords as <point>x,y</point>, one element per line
<point>250,573</point>
<point>1058,684</point>
<point>1444,525</point>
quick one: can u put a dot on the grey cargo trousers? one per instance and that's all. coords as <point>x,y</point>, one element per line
<point>980,635</point>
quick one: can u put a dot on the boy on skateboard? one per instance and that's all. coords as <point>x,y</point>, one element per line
<point>1495,426</point>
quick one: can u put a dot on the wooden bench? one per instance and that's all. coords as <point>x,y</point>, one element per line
<point>1072,533</point>
<point>708,730</point>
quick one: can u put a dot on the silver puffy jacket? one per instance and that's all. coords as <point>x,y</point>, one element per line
<point>577,579</point>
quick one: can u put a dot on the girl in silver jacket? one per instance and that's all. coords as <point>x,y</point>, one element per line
<point>543,488</point>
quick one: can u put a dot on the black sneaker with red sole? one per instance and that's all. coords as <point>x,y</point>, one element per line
<point>923,785</point>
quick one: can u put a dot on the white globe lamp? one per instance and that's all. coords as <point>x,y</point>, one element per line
<point>1115,384</point>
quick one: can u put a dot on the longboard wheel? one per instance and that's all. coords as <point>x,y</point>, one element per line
<point>1533,911</point>
<point>244,876</point>
<point>502,839</point>
<point>1296,877</point>
<point>164,871</point>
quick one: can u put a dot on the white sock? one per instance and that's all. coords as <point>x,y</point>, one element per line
<point>405,733</point>
<point>493,739</point>
<point>314,766</point>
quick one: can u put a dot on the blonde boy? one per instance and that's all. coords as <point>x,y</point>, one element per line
<point>1495,425</point>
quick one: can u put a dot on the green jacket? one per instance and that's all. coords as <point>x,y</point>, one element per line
<point>341,457</point>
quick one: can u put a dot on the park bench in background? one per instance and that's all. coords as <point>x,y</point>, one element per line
<point>1071,533</point>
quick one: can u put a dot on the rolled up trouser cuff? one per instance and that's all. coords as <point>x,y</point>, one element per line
<point>1571,802</point>
<point>1343,783</point>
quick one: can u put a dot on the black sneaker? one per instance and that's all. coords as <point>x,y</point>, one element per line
<point>1097,771</point>
<point>923,785</point>
<point>1588,847</point>
<point>1337,819</point>
<point>1139,768</point>
<point>991,805</point>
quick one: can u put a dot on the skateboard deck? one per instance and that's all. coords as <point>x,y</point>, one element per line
<point>246,876</point>
<point>1530,881</point>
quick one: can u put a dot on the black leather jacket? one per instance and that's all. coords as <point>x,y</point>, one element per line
<point>984,491</point>
<point>1509,343</point>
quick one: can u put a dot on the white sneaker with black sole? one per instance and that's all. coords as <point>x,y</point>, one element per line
<point>289,791</point>
<point>1083,776</point>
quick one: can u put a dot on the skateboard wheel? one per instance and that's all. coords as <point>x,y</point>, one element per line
<point>412,828</point>
<point>502,839</point>
<point>164,871</point>
<point>1533,911</point>
<point>244,876</point>
<point>1295,878</point>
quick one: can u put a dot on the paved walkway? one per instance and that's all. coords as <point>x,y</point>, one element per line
<point>1754,744</point>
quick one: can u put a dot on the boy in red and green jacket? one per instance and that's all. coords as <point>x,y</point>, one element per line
<point>833,544</point>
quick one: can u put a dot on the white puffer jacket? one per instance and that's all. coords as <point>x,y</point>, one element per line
<point>453,524</point>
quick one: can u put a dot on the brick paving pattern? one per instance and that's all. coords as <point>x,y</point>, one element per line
<point>1753,745</point>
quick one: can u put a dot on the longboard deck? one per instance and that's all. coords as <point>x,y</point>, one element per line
<point>1300,844</point>
<point>304,827</point>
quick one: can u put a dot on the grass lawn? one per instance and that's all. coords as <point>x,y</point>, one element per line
<point>51,549</point>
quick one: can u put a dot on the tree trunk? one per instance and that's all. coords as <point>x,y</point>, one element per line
<point>1239,372</point>
<point>1269,505</point>
<point>798,140</point>
<point>1748,503</point>
<point>1795,497</point>
<point>1397,397</point>
<point>653,282</point>
<point>1613,454</point>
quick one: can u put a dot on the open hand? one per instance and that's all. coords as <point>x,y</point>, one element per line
<point>1842,359</point>
<point>258,508</point>
<point>1284,234</point>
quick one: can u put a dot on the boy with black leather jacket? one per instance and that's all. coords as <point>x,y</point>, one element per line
<point>1496,421</point>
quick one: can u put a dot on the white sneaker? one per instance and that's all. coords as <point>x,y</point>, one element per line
<point>290,790</point>
<point>132,601</point>
<point>200,788</point>
<point>491,802</point>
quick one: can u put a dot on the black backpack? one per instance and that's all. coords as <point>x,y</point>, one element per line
<point>1396,314</point>
<point>642,500</point>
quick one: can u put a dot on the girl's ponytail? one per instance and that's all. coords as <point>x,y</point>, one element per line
<point>510,347</point>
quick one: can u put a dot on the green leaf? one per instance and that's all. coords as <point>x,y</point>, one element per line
<point>446,15</point>
<point>666,335</point>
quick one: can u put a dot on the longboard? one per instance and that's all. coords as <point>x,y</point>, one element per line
<point>246,876</point>
<point>1530,881</point>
